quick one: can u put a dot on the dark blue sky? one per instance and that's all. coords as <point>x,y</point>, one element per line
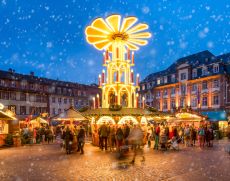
<point>47,36</point>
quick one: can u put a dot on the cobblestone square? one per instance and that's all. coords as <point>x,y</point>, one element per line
<point>49,162</point>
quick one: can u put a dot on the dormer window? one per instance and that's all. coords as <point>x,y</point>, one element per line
<point>204,71</point>
<point>216,68</point>
<point>165,79</point>
<point>194,73</point>
<point>158,81</point>
<point>183,76</point>
<point>173,78</point>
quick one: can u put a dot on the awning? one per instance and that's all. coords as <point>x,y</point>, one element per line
<point>215,115</point>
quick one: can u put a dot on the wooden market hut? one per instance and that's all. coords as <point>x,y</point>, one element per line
<point>69,116</point>
<point>8,124</point>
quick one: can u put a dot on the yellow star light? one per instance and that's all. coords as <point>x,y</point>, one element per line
<point>103,33</point>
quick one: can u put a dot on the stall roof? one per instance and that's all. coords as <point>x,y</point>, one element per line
<point>5,116</point>
<point>70,113</point>
<point>216,115</point>
<point>40,120</point>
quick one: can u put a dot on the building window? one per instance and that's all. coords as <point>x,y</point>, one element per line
<point>205,85</point>
<point>204,71</point>
<point>165,92</point>
<point>182,102</point>
<point>5,95</point>
<point>148,86</point>
<point>165,105</point>
<point>32,110</point>
<point>53,111</point>
<point>22,110</point>
<point>59,100</point>
<point>65,101</point>
<point>165,79</point>
<point>59,111</point>
<point>194,73</point>
<point>204,101</point>
<point>13,84</point>
<point>59,90</point>
<point>23,84</point>
<point>194,87</point>
<point>53,100</point>
<point>173,90</point>
<point>79,93</point>
<point>215,84</point>
<point>173,104</point>
<point>70,101</point>
<point>31,86</point>
<point>158,105</point>
<point>158,93</point>
<point>2,82</point>
<point>183,76</point>
<point>158,81</point>
<point>183,89</point>
<point>13,95</point>
<point>215,100</point>
<point>173,78</point>
<point>194,102</point>
<point>22,97</point>
<point>216,68</point>
<point>38,98</point>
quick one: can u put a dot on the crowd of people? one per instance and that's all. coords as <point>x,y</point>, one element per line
<point>186,134</point>
<point>42,134</point>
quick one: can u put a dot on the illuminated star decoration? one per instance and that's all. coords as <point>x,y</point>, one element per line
<point>103,33</point>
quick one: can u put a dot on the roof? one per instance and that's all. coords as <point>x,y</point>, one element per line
<point>194,60</point>
<point>123,111</point>
<point>4,115</point>
<point>11,75</point>
<point>224,58</point>
<point>70,113</point>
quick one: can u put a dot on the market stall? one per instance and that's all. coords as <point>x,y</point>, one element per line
<point>187,118</point>
<point>69,117</point>
<point>8,125</point>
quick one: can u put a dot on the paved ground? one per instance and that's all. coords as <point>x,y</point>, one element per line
<point>48,162</point>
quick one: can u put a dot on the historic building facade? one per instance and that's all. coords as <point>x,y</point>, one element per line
<point>200,81</point>
<point>31,95</point>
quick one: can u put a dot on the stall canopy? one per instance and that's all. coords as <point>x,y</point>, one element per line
<point>216,115</point>
<point>69,115</point>
<point>7,115</point>
<point>39,120</point>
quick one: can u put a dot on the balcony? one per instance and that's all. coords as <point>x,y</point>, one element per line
<point>216,106</point>
<point>165,96</point>
<point>173,95</point>
<point>204,107</point>
<point>214,89</point>
<point>194,92</point>
<point>204,91</point>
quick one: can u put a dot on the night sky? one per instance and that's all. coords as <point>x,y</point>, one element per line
<point>47,36</point>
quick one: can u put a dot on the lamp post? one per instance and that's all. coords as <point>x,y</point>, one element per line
<point>94,103</point>
<point>143,102</point>
<point>98,102</point>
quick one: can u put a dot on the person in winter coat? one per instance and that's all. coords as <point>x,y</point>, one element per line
<point>68,137</point>
<point>81,139</point>
<point>104,133</point>
<point>157,134</point>
<point>120,137</point>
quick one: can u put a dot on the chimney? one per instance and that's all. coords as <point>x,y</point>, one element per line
<point>32,73</point>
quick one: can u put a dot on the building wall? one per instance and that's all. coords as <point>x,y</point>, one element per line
<point>28,94</point>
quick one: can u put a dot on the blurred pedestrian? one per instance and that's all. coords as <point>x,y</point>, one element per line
<point>81,139</point>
